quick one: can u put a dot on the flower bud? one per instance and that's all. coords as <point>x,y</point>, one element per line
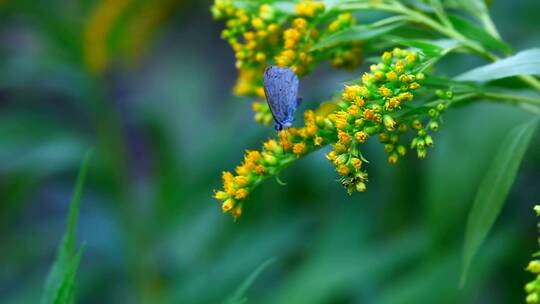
<point>433,126</point>
<point>393,158</point>
<point>534,266</point>
<point>417,124</point>
<point>420,143</point>
<point>532,298</point>
<point>220,195</point>
<point>441,107</point>
<point>422,153</point>
<point>428,140</point>
<point>537,210</point>
<point>530,287</point>
<point>227,205</point>
<point>389,122</point>
<point>401,150</point>
<point>402,128</point>
<point>361,187</point>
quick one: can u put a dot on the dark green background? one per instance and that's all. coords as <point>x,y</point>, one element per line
<point>165,125</point>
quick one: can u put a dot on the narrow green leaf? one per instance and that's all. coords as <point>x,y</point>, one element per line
<point>477,33</point>
<point>477,8</point>
<point>59,285</point>
<point>523,63</point>
<point>493,190</point>
<point>239,295</point>
<point>356,33</point>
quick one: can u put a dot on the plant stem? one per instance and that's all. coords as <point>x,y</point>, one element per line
<point>512,98</point>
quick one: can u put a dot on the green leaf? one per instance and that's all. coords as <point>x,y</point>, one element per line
<point>238,296</point>
<point>356,33</point>
<point>523,63</point>
<point>59,286</point>
<point>477,33</point>
<point>493,190</point>
<point>477,8</point>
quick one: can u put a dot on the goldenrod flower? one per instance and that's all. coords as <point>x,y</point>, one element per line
<point>367,108</point>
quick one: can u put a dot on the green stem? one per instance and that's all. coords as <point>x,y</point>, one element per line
<point>512,98</point>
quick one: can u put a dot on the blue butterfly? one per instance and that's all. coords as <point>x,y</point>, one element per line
<point>281,90</point>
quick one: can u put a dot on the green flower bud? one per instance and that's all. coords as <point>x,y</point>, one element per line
<point>532,298</point>
<point>420,143</point>
<point>433,126</point>
<point>441,107</point>
<point>389,122</point>
<point>534,266</point>
<point>361,187</point>
<point>401,150</point>
<point>429,141</point>
<point>422,153</point>
<point>393,158</point>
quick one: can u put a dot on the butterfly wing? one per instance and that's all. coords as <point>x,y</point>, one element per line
<point>281,90</point>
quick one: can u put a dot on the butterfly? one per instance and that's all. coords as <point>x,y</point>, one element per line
<point>281,90</point>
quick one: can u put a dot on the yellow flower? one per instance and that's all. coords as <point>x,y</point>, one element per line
<point>392,76</point>
<point>299,148</point>
<point>344,137</point>
<point>241,194</point>
<point>241,180</point>
<point>242,170</point>
<point>220,195</point>
<point>384,91</point>
<point>356,162</point>
<point>331,156</point>
<point>284,140</point>
<point>350,92</point>
<point>369,114</point>
<point>318,141</point>
<point>237,212</point>
<point>259,169</point>
<point>271,145</point>
<point>227,205</point>
<point>340,119</point>
<point>300,24</point>
<point>343,169</point>
<point>361,136</point>
<point>386,56</point>
<point>257,23</point>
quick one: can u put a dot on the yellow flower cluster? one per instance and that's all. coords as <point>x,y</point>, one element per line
<point>309,8</point>
<point>262,36</point>
<point>366,110</point>
<point>533,288</point>
<point>275,155</point>
<point>371,108</point>
<point>297,41</point>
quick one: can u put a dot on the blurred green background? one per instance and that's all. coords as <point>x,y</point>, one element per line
<point>147,84</point>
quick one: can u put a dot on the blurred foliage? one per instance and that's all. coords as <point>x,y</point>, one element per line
<point>148,85</point>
